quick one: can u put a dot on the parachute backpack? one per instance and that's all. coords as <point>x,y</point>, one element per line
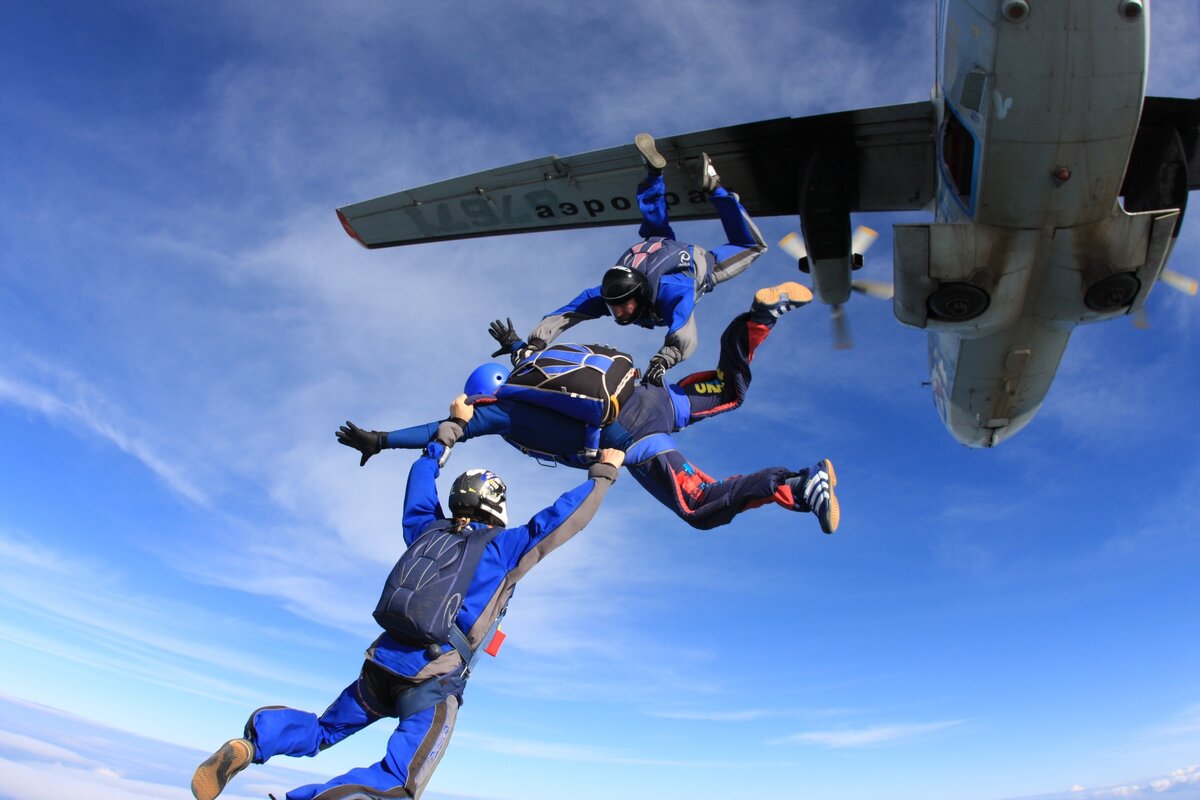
<point>426,587</point>
<point>587,382</point>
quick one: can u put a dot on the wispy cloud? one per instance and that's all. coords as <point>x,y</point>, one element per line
<point>71,401</point>
<point>556,751</point>
<point>864,737</point>
<point>748,715</point>
<point>41,747</point>
<point>122,630</point>
<point>1180,784</point>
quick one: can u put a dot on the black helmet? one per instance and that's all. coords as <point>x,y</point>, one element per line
<point>622,283</point>
<point>479,494</point>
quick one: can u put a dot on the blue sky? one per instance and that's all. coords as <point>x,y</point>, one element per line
<point>184,324</point>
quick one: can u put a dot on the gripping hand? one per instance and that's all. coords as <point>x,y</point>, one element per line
<point>524,350</point>
<point>655,371</point>
<point>366,442</point>
<point>506,336</point>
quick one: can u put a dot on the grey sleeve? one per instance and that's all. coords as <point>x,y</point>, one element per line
<point>679,345</point>
<point>449,432</point>
<point>549,328</point>
<point>602,476</point>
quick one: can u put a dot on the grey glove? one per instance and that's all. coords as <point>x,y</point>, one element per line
<point>655,372</point>
<point>366,442</point>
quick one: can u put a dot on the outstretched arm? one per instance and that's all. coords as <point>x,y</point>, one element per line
<point>587,305</point>
<point>552,526</point>
<point>676,306</point>
<point>421,504</point>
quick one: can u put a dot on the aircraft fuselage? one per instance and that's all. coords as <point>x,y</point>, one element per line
<point>1037,106</point>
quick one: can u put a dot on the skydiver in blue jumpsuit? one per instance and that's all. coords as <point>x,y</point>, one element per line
<point>385,687</point>
<point>643,429</point>
<point>658,281</point>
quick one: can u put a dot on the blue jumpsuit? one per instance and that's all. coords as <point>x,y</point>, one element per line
<point>643,429</point>
<point>391,667</point>
<point>680,283</point>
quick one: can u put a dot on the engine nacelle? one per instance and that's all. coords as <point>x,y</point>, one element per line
<point>965,278</point>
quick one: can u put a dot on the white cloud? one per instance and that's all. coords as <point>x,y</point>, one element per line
<point>73,402</point>
<point>557,751</point>
<point>862,737</point>
<point>747,715</point>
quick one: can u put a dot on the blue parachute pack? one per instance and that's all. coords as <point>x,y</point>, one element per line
<point>426,587</point>
<point>423,595</point>
<point>587,382</point>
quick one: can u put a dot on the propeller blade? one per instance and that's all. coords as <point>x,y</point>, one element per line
<point>880,290</point>
<point>793,245</point>
<point>1179,281</point>
<point>1140,320</point>
<point>841,328</point>
<point>863,238</point>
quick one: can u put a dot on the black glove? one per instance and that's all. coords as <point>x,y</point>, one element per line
<point>655,371</point>
<point>366,442</point>
<point>506,337</point>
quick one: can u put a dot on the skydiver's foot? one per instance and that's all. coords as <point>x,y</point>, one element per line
<point>654,159</point>
<point>705,174</point>
<point>211,776</point>
<point>812,490</point>
<point>775,301</point>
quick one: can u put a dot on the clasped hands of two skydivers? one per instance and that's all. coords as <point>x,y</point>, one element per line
<point>505,334</point>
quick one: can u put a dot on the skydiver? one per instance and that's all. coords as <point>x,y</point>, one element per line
<point>643,427</point>
<point>419,684</point>
<point>657,281</point>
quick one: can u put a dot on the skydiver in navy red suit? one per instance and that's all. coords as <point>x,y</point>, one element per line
<point>643,429</point>
<point>657,281</point>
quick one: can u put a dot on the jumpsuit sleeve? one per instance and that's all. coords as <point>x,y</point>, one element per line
<point>526,545</point>
<point>677,306</point>
<point>488,419</point>
<point>421,504</point>
<point>587,305</point>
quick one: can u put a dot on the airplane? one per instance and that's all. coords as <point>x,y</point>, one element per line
<point>1057,189</point>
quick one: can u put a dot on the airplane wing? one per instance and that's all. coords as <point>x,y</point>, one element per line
<point>1164,166</point>
<point>1183,115</point>
<point>887,154</point>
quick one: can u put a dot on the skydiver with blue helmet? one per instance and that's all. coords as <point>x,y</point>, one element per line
<point>417,683</point>
<point>643,429</point>
<point>657,281</point>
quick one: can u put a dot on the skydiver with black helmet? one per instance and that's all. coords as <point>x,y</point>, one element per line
<point>658,281</point>
<point>644,426</point>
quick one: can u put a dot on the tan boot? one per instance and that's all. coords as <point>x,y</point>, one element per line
<point>211,776</point>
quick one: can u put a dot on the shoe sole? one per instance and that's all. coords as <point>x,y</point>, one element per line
<point>835,511</point>
<point>645,146</point>
<point>772,295</point>
<point>212,776</point>
<point>709,179</point>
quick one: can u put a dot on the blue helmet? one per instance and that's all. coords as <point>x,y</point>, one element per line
<point>486,379</point>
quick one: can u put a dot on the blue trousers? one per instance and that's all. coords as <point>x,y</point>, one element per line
<point>413,751</point>
<point>745,242</point>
